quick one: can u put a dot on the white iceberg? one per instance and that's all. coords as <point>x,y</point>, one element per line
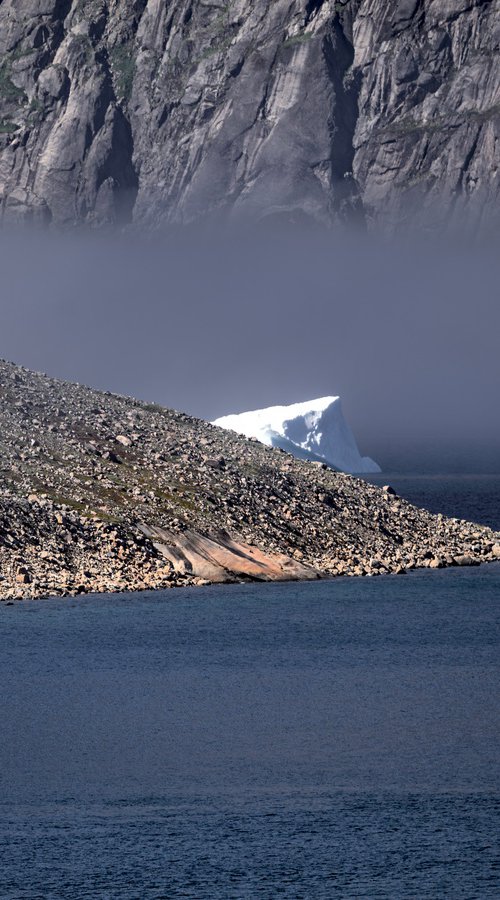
<point>313,430</point>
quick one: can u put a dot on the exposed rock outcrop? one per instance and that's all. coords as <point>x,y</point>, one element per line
<point>219,558</point>
<point>357,110</point>
<point>105,493</point>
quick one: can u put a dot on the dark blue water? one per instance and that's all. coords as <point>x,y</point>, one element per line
<point>472,497</point>
<point>337,739</point>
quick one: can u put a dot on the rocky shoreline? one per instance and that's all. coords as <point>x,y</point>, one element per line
<point>102,493</point>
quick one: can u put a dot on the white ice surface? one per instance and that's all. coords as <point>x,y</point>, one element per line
<point>315,429</point>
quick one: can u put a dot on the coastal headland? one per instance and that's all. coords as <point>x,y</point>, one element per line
<point>104,493</point>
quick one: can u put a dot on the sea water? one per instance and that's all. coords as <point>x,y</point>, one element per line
<point>335,739</point>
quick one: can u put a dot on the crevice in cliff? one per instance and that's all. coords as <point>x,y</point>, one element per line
<point>468,159</point>
<point>455,14</point>
<point>339,57</point>
<point>122,170</point>
<point>117,171</point>
<point>312,7</point>
<point>62,9</point>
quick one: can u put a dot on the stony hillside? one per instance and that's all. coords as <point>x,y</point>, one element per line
<point>140,110</point>
<point>100,492</point>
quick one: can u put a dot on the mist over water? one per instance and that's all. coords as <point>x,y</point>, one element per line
<point>405,332</point>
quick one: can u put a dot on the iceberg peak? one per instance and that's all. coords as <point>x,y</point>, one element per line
<point>314,429</point>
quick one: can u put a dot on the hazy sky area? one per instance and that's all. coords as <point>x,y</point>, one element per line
<point>407,334</point>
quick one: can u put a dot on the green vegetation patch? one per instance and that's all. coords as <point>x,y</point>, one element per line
<point>298,39</point>
<point>9,92</point>
<point>222,19</point>
<point>36,106</point>
<point>7,127</point>
<point>218,47</point>
<point>122,62</point>
<point>20,53</point>
<point>484,115</point>
<point>61,499</point>
<point>411,126</point>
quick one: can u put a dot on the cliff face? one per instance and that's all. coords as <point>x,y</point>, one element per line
<point>158,112</point>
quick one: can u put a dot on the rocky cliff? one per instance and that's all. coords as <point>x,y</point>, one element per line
<point>105,493</point>
<point>114,111</point>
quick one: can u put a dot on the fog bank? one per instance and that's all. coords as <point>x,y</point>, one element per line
<point>406,333</point>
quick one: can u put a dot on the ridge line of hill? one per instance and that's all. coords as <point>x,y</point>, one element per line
<point>100,492</point>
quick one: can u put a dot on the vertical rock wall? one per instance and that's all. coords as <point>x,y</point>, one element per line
<point>155,112</point>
